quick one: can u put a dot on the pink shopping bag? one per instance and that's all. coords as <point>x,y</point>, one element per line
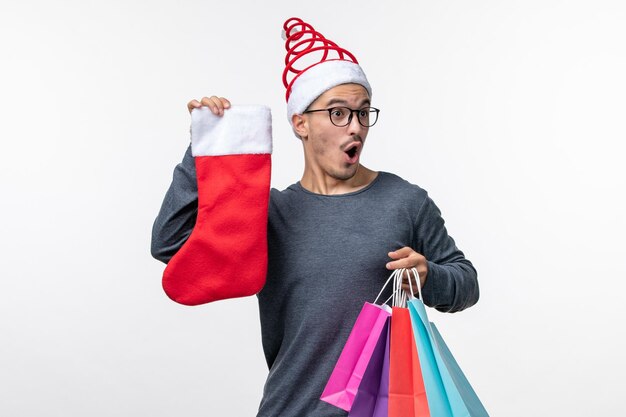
<point>373,396</point>
<point>346,377</point>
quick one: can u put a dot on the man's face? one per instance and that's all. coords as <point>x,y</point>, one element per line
<point>331,150</point>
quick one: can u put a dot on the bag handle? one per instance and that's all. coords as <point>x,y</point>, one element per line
<point>393,293</point>
<point>383,289</point>
<point>417,283</point>
<point>398,295</point>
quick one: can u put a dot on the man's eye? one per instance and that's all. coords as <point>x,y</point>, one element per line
<point>364,113</point>
<point>337,112</point>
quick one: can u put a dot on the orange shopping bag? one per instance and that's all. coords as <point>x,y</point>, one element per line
<point>407,394</point>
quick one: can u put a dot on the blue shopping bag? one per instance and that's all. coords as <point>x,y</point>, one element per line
<point>448,391</point>
<point>472,403</point>
<point>433,382</point>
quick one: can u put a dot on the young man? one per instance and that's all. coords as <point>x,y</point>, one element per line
<point>333,237</point>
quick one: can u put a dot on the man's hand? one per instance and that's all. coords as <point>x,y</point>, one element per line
<point>408,258</point>
<point>216,104</point>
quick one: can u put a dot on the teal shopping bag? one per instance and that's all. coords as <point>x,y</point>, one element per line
<point>472,403</point>
<point>438,401</point>
<point>447,388</point>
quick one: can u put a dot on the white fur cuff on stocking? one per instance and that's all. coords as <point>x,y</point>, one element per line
<point>241,130</point>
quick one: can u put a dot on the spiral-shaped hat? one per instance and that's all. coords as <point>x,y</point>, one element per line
<point>313,65</point>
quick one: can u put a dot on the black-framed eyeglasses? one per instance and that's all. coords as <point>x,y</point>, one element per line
<point>342,116</point>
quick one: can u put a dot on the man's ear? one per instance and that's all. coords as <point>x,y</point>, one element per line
<point>300,126</point>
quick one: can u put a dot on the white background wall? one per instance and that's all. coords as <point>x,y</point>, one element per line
<point>511,114</point>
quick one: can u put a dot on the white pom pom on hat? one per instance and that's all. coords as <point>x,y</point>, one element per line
<point>335,67</point>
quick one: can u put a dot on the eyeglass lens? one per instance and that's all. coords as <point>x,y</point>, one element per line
<point>340,116</point>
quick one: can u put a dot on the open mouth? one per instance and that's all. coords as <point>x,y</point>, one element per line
<point>352,151</point>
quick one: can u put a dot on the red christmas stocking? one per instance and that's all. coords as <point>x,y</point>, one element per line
<point>226,253</point>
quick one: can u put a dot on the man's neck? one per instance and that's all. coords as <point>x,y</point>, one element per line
<point>326,185</point>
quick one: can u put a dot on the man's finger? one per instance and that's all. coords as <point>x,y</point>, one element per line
<point>193,104</point>
<point>405,281</point>
<point>225,102</point>
<point>207,102</point>
<point>406,288</point>
<point>401,263</point>
<point>219,105</point>
<point>400,253</point>
<point>214,104</point>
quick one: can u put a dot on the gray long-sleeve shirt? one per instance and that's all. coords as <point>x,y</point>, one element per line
<point>327,256</point>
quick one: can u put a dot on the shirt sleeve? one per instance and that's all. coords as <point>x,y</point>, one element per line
<point>451,284</point>
<point>178,213</point>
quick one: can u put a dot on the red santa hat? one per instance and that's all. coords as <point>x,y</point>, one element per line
<point>313,65</point>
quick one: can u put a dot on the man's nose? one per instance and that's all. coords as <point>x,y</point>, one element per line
<point>355,126</point>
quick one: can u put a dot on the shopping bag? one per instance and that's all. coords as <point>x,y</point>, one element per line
<point>435,390</point>
<point>407,394</point>
<point>371,399</point>
<point>473,405</point>
<point>448,390</point>
<point>346,377</point>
